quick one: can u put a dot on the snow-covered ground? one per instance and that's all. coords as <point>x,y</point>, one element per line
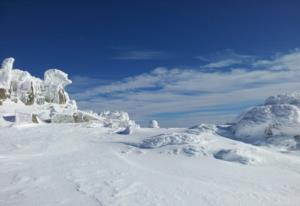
<point>52,153</point>
<point>85,164</point>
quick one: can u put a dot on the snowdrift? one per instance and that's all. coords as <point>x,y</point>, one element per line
<point>201,140</point>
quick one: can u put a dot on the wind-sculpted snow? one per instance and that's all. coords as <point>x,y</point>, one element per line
<point>71,164</point>
<point>170,139</point>
<point>235,155</point>
<point>201,140</point>
<point>276,122</point>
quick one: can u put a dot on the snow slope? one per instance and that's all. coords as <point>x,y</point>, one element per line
<point>80,164</point>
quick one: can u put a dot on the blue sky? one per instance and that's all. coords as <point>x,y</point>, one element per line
<point>181,62</point>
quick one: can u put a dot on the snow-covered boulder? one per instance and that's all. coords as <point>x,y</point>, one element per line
<point>278,118</point>
<point>153,124</point>
<point>117,120</point>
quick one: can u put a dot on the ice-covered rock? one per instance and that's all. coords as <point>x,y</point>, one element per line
<point>153,124</point>
<point>117,119</point>
<point>6,73</point>
<point>31,99</point>
<point>54,83</point>
<point>277,118</point>
<point>19,85</point>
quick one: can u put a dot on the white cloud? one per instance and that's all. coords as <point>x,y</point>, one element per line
<point>222,63</point>
<point>289,61</point>
<point>188,94</point>
<point>224,59</point>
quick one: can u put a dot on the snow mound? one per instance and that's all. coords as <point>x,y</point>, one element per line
<point>170,139</point>
<point>153,124</point>
<point>204,141</point>
<point>277,119</point>
<point>117,119</point>
<point>234,155</point>
<point>202,128</point>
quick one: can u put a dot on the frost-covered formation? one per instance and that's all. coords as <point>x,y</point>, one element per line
<point>117,120</point>
<point>19,85</point>
<point>153,124</point>
<point>27,99</point>
<point>277,120</point>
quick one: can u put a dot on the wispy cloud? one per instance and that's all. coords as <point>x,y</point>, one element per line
<point>140,55</point>
<point>225,59</point>
<point>183,97</point>
<point>223,63</point>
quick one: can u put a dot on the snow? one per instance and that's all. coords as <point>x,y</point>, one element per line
<point>128,130</point>
<point>153,124</point>
<point>72,164</point>
<point>27,97</point>
<point>56,77</point>
<point>5,72</point>
<point>22,86</point>
<point>52,153</point>
<point>276,122</point>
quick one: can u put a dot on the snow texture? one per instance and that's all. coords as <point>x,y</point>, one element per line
<point>73,164</point>
<point>83,158</point>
